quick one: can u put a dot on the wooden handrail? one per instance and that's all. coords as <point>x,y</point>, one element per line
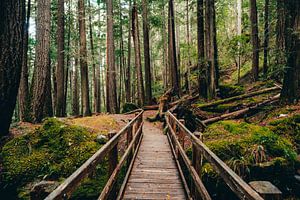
<point>69,185</point>
<point>236,184</point>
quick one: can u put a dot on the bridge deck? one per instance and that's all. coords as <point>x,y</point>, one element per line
<point>154,174</point>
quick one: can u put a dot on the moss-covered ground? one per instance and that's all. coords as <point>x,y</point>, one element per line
<point>51,152</point>
<point>255,152</point>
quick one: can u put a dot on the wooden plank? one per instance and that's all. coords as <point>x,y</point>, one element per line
<point>154,174</point>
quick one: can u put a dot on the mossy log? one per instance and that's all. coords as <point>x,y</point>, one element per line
<point>240,97</point>
<point>242,111</point>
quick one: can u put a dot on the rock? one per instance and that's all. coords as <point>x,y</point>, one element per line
<point>101,139</point>
<point>267,190</point>
<point>42,189</point>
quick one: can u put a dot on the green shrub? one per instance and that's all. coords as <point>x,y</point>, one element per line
<point>227,91</point>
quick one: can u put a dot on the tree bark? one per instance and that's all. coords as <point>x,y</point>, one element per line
<point>138,65</point>
<point>75,96</point>
<point>42,61</point>
<point>254,38</point>
<point>291,85</point>
<point>148,88</point>
<point>210,49</point>
<point>239,33</point>
<point>280,35</point>
<point>266,38</point>
<point>60,69</point>
<point>111,85</point>
<point>83,61</point>
<point>127,74</point>
<point>174,76</point>
<point>202,81</point>
<point>12,22</point>
<point>23,98</point>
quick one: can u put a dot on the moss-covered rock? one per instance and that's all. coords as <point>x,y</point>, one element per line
<point>288,128</point>
<point>127,107</point>
<point>53,151</point>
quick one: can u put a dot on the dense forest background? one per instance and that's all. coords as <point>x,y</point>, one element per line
<point>70,63</point>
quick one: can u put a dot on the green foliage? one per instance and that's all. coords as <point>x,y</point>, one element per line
<point>54,150</point>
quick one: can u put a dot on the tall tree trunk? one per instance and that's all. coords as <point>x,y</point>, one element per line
<point>75,99</point>
<point>239,33</point>
<point>174,77</point>
<point>189,63</point>
<point>60,69</point>
<point>42,61</point>
<point>291,85</point>
<point>165,49</point>
<point>98,69</point>
<point>95,78</point>
<point>23,98</point>
<point>280,36</point>
<point>68,71</point>
<point>127,74</point>
<point>138,65</point>
<point>215,46</point>
<point>12,23</point>
<point>83,61</point>
<point>111,85</point>
<point>210,49</point>
<point>266,38</point>
<point>148,88</point>
<point>202,81</point>
<point>254,37</point>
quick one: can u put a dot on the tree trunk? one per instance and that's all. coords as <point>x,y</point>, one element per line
<point>148,88</point>
<point>174,77</point>
<point>189,63</point>
<point>165,50</point>
<point>111,85</point>
<point>75,99</point>
<point>95,78</point>
<point>239,33</point>
<point>202,81</point>
<point>280,35</point>
<point>138,65</point>
<point>210,49</point>
<point>60,69</point>
<point>42,61</point>
<point>23,98</point>
<point>254,37</point>
<point>291,85</point>
<point>67,70</point>
<point>11,47</point>
<point>266,38</point>
<point>83,61</point>
<point>127,74</point>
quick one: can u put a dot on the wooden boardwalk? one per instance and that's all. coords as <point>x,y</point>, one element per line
<point>154,174</point>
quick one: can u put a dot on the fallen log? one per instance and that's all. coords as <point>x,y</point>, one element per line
<point>172,104</point>
<point>240,97</point>
<point>240,112</point>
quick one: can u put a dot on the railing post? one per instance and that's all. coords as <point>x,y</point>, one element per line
<point>113,162</point>
<point>181,135</point>
<point>129,139</point>
<point>196,163</point>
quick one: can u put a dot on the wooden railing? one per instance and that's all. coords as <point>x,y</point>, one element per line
<point>177,133</point>
<point>134,134</point>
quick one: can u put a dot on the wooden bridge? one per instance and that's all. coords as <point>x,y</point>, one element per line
<point>154,164</point>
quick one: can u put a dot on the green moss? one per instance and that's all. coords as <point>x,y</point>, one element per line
<point>227,91</point>
<point>288,128</point>
<point>54,150</point>
<point>127,107</point>
<point>231,139</point>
